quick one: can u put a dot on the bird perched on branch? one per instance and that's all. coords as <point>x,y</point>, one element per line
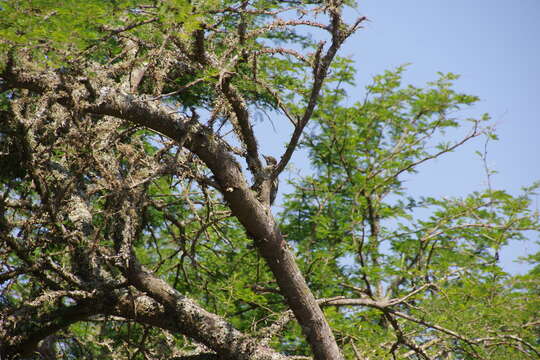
<point>272,162</point>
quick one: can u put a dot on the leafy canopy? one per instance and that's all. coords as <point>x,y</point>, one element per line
<point>84,191</point>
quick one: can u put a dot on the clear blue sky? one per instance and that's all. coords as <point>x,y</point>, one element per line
<point>495,47</point>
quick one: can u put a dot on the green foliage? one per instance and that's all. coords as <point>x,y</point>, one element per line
<point>354,226</point>
<point>57,32</point>
<point>356,232</point>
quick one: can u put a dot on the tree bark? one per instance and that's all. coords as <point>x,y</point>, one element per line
<point>252,214</point>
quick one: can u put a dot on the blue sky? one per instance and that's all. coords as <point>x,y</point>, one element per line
<point>495,47</point>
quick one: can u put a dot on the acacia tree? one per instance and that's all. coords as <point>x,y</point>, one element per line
<point>136,205</point>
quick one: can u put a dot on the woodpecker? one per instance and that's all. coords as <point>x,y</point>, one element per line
<point>272,162</point>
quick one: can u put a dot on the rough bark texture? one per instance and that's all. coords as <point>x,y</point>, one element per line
<point>102,92</point>
<point>254,215</point>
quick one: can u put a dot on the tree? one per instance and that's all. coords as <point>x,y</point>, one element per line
<point>135,202</point>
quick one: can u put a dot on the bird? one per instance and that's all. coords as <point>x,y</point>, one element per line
<point>271,162</point>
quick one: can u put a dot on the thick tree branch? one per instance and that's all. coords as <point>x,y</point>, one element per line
<point>168,309</point>
<point>252,214</point>
<point>21,330</point>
